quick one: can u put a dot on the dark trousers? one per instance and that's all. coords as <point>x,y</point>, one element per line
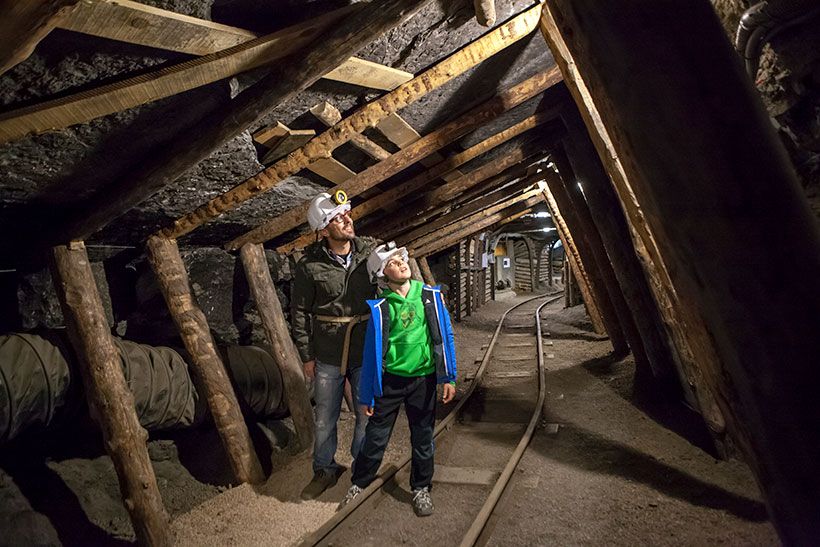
<point>419,397</point>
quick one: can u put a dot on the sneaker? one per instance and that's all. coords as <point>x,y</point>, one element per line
<point>352,492</point>
<point>321,481</point>
<point>422,502</point>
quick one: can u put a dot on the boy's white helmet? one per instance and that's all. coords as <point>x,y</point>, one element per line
<point>323,208</point>
<point>380,255</point>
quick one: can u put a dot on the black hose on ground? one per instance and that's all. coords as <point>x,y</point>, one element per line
<point>39,383</point>
<point>761,22</point>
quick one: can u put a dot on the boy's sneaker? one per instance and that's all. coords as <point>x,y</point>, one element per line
<point>321,481</point>
<point>422,502</point>
<point>352,492</point>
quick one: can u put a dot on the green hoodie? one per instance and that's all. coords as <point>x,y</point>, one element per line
<point>322,286</point>
<point>410,349</point>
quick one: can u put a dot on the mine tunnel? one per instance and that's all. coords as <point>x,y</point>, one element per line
<point>574,244</point>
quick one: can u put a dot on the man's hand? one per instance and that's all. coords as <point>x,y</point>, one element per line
<point>310,369</point>
<point>367,409</point>
<point>448,391</point>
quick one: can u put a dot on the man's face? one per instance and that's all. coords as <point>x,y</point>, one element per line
<point>340,228</point>
<point>396,269</point>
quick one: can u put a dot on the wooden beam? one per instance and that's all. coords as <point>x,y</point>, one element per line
<point>206,365</point>
<point>726,183</point>
<point>164,82</point>
<point>287,78</point>
<point>282,348</point>
<point>24,24</point>
<point>109,399</point>
<point>368,74</point>
<point>330,116</point>
<point>407,156</point>
<point>601,279</point>
<point>367,116</point>
<point>402,134</point>
<point>574,260</point>
<point>467,229</point>
<point>137,23</point>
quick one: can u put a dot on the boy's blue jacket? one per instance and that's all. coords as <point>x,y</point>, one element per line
<point>377,336</point>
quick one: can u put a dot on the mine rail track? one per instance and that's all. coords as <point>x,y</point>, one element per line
<point>486,436</point>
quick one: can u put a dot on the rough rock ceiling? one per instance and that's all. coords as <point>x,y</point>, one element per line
<point>48,173</point>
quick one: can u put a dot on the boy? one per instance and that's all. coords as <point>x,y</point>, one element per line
<point>408,350</point>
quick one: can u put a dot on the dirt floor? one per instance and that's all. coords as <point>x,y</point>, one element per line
<point>616,472</point>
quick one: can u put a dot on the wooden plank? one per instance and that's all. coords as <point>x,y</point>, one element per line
<point>342,132</point>
<point>206,365</point>
<point>330,116</point>
<point>24,24</point>
<point>164,82</point>
<point>368,74</point>
<point>109,399</point>
<point>137,23</point>
<point>446,474</point>
<point>196,143</point>
<point>727,184</point>
<point>332,170</point>
<point>402,134</point>
<point>282,348</point>
<point>145,25</point>
<point>280,140</point>
<point>426,272</point>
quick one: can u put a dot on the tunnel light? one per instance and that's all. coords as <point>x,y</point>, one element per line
<point>542,214</point>
<point>547,229</point>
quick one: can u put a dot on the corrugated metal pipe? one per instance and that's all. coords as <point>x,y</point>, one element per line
<point>764,20</point>
<point>40,384</point>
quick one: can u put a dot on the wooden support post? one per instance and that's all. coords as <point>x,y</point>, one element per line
<point>570,192</point>
<point>726,182</point>
<point>206,365</point>
<point>426,272</point>
<point>288,77</point>
<point>415,271</point>
<point>375,174</point>
<point>549,263</point>
<point>468,283</point>
<point>282,348</point>
<point>607,214</point>
<point>109,399</point>
<point>573,259</point>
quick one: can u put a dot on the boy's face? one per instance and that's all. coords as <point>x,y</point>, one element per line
<point>396,269</point>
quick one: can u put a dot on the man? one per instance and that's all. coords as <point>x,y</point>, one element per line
<point>329,310</point>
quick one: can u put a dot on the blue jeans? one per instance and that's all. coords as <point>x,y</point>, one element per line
<point>328,390</point>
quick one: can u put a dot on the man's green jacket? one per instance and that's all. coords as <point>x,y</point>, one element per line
<point>322,286</point>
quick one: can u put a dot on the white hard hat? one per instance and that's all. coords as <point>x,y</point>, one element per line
<point>380,255</point>
<point>323,208</point>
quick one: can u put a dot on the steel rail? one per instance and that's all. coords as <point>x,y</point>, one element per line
<point>487,509</point>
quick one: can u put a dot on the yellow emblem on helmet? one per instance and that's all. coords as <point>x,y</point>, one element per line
<point>340,197</point>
